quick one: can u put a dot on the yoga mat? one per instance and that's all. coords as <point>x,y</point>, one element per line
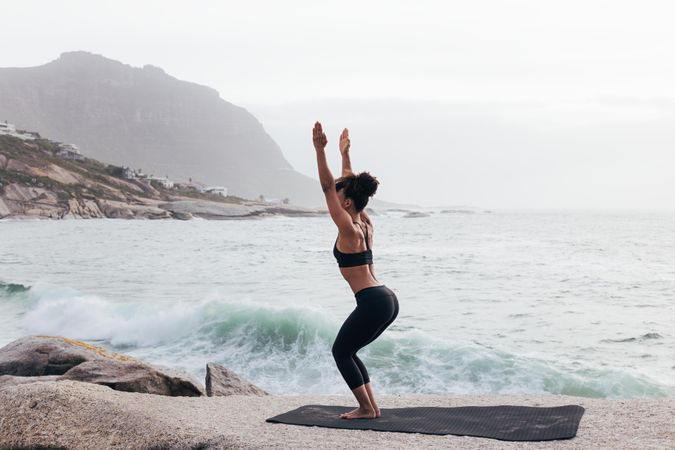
<point>504,422</point>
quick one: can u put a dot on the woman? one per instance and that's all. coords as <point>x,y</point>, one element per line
<point>376,304</point>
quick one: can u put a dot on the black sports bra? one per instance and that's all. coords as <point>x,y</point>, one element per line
<point>354,259</point>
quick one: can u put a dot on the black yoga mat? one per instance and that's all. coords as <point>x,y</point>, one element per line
<point>505,422</point>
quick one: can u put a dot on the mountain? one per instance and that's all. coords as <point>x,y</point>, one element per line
<point>146,119</point>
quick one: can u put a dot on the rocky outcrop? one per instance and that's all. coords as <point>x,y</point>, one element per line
<point>83,208</point>
<point>36,182</point>
<point>135,376</point>
<point>221,381</point>
<point>75,415</point>
<point>217,210</point>
<point>212,210</point>
<point>48,355</point>
<point>415,214</point>
<point>69,359</point>
<point>13,380</point>
<point>47,170</point>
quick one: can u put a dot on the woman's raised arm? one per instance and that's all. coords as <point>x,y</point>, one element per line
<point>325,176</point>
<point>341,217</point>
<point>344,151</point>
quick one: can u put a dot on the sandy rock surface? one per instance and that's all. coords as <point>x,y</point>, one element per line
<point>86,416</point>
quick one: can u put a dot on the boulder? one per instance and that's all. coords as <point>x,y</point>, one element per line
<point>181,215</point>
<point>13,380</point>
<point>39,356</point>
<point>136,376</point>
<point>84,416</point>
<point>221,381</point>
<point>48,355</point>
<point>83,208</point>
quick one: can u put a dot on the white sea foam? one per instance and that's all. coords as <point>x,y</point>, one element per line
<point>286,348</point>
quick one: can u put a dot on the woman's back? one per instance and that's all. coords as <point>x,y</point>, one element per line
<point>355,257</point>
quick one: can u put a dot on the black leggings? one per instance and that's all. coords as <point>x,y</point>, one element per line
<point>376,309</point>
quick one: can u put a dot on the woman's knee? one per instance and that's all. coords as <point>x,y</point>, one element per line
<point>339,350</point>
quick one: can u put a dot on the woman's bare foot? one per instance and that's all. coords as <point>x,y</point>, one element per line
<point>365,409</point>
<point>350,412</point>
<point>377,412</point>
<point>360,413</point>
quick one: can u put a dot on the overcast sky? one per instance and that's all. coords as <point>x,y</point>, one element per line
<point>527,104</point>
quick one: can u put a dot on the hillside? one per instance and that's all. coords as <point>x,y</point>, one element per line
<point>36,180</point>
<point>147,119</point>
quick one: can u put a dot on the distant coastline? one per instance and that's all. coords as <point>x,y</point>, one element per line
<point>45,179</point>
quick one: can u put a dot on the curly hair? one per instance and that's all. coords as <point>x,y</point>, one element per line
<point>358,187</point>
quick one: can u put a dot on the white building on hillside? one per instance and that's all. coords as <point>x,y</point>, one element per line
<point>164,181</point>
<point>128,173</point>
<point>69,151</point>
<point>9,129</point>
<point>215,190</point>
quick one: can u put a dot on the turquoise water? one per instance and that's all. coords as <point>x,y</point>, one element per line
<point>574,303</point>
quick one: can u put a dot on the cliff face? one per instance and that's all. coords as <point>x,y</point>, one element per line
<point>144,118</point>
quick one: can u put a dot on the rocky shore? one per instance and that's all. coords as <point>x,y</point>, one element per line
<point>106,402</point>
<point>35,182</point>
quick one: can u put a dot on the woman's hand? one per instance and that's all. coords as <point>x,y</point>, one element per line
<point>319,137</point>
<point>344,141</point>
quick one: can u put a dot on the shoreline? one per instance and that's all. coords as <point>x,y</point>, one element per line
<point>60,412</point>
<point>190,209</point>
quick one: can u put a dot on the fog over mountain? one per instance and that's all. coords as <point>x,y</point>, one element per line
<point>601,152</point>
<point>147,119</point>
<point>607,152</point>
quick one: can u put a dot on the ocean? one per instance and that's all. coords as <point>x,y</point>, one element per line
<point>577,303</point>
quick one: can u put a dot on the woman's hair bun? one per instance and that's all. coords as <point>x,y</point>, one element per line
<point>358,187</point>
<point>366,184</point>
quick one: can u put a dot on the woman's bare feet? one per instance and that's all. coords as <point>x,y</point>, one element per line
<point>365,409</point>
<point>359,413</point>
<point>371,397</point>
<point>377,412</point>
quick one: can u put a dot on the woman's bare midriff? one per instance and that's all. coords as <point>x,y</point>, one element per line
<point>359,277</point>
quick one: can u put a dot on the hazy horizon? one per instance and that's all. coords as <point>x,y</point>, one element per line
<point>522,105</point>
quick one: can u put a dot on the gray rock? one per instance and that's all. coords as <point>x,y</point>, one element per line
<point>136,376</point>
<point>415,214</point>
<point>210,210</point>
<point>47,355</point>
<point>221,381</point>
<point>37,356</point>
<point>181,215</point>
<point>13,380</point>
<point>84,416</point>
<point>83,208</point>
